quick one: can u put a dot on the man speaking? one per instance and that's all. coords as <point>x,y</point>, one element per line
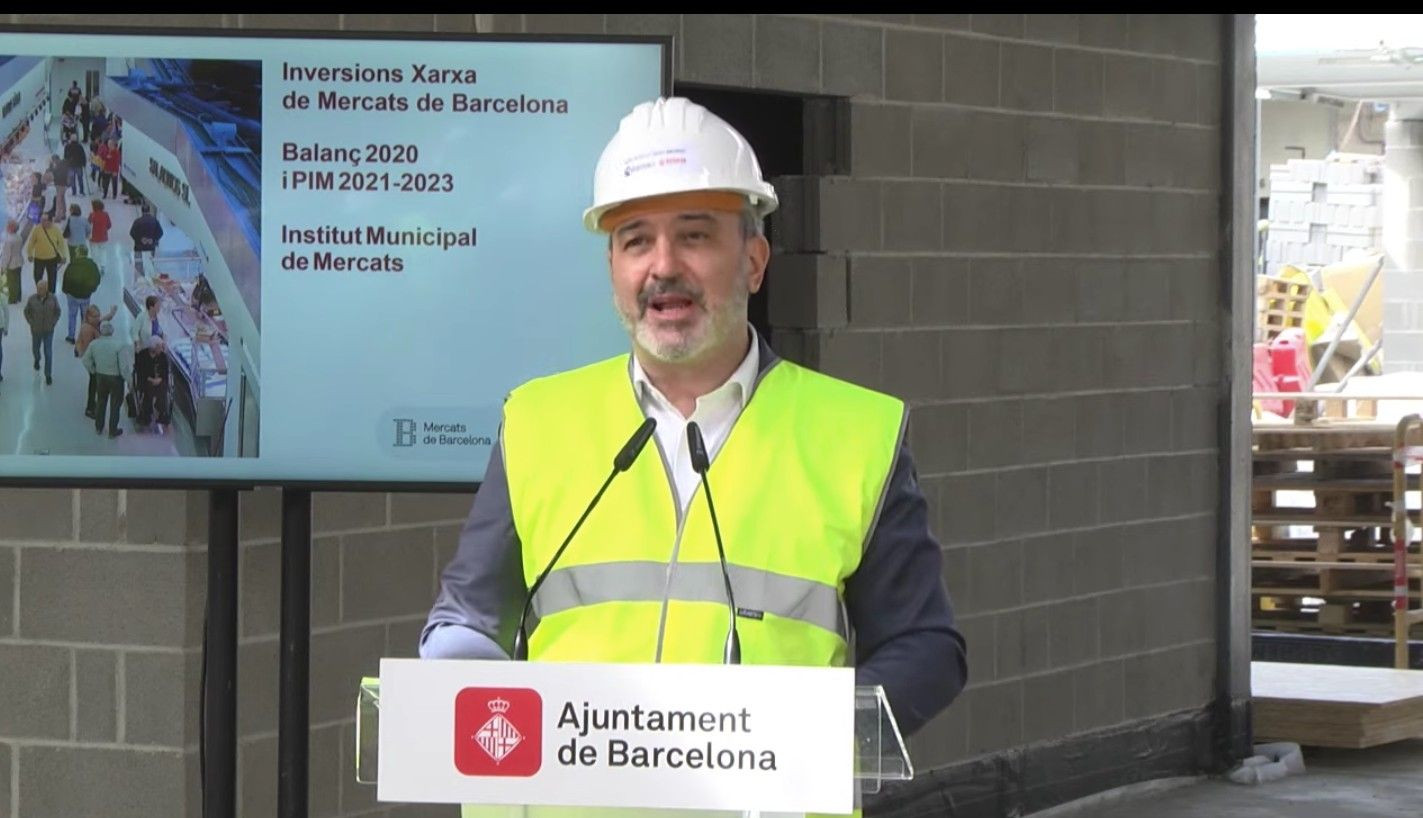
<point>776,517</point>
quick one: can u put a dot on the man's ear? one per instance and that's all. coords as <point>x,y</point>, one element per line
<point>758,254</point>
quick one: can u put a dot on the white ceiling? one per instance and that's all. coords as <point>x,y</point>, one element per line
<point>1377,57</point>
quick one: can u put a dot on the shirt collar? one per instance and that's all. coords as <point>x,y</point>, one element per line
<point>744,375</point>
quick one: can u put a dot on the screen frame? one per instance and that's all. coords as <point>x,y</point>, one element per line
<point>665,42</point>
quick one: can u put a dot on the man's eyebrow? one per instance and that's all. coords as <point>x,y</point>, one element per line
<point>628,227</point>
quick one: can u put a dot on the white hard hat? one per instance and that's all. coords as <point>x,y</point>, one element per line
<point>673,145</point>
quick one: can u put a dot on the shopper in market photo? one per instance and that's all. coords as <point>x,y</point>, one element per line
<point>99,223</point>
<point>12,260</point>
<point>112,159</point>
<point>4,330</point>
<point>151,377</point>
<point>81,279</point>
<point>146,232</point>
<point>146,325</point>
<point>76,230</point>
<point>88,333</point>
<point>42,314</point>
<point>46,248</point>
<point>110,360</point>
<point>75,160</point>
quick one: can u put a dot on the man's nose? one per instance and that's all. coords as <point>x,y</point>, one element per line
<point>663,260</point>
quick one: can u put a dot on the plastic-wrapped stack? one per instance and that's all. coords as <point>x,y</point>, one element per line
<point>1320,209</point>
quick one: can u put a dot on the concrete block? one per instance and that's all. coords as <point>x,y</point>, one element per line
<point>943,740</point>
<point>1148,152</point>
<point>1072,496</point>
<point>992,147</point>
<point>324,788</point>
<point>402,638</point>
<point>338,661</point>
<point>1020,645</point>
<point>95,676</point>
<point>1075,357</point>
<point>995,717</point>
<point>881,292</point>
<point>1155,33</point>
<point>35,680</point>
<point>499,23</point>
<point>1027,361</point>
<point>913,220</point>
<point>1147,422</point>
<point>1079,81</point>
<point>259,582</point>
<point>1048,706</point>
<point>1097,558</point>
<point>1196,160</point>
<point>1121,627</point>
<point>971,70</point>
<point>1098,691</point>
<point>1124,360</point>
<point>971,363</point>
<point>957,22</point>
<point>332,512</point>
<point>1030,220</point>
<point>666,24</point>
<point>1027,77</point>
<point>880,139</point>
<point>1148,290</point>
<point>1049,291</point>
<point>257,786</point>
<point>1159,683</point>
<point>897,19</point>
<point>1194,419</point>
<point>1101,291</point>
<point>995,291</point>
<point>1022,502</point>
<point>260,514</point>
<point>564,23</point>
<point>324,22</point>
<point>1047,568</point>
<point>1001,25</point>
<point>1130,89</point>
<point>1167,485</point>
<point>99,515</point>
<point>38,514</point>
<point>1193,614</point>
<point>402,22</point>
<point>808,291</point>
<point>455,23</point>
<point>326,582</point>
<point>355,797</point>
<point>976,218</point>
<point>1049,429</point>
<point>1104,30</point>
<point>1101,153</point>
<point>1052,150</point>
<point>717,48</point>
<point>1124,489</point>
<point>996,576</point>
<point>259,665</point>
<point>386,574</point>
<point>938,435</point>
<point>939,137</point>
<point>911,365</point>
<point>966,513</point>
<point>116,783</point>
<point>995,434</point>
<point>1073,632</point>
<point>914,65</point>
<point>787,53</point>
<point>1053,28</point>
<point>955,560</point>
<point>978,634</point>
<point>940,291</point>
<point>97,597</point>
<point>161,693</point>
<point>852,60</point>
<point>848,216</point>
<point>430,508</point>
<point>853,356</point>
<point>1176,90</point>
<point>1099,427</point>
<point>8,559</point>
<point>6,771</point>
<point>1208,95</point>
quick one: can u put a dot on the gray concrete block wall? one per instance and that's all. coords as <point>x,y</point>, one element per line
<point>1024,247</point>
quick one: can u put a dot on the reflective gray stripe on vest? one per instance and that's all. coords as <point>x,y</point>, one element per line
<point>788,597</point>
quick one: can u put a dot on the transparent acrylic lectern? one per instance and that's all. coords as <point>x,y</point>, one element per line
<point>880,753</point>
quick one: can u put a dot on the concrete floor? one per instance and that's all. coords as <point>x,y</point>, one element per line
<point>1382,781</point>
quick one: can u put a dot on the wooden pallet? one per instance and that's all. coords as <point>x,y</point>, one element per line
<point>1335,706</point>
<point>1281,303</point>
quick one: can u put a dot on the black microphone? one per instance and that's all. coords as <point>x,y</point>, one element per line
<point>731,653</point>
<point>621,463</point>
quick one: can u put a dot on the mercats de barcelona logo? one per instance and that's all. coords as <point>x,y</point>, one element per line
<point>498,731</point>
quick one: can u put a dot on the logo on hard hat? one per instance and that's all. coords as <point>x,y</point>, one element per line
<point>664,159</point>
<point>498,731</point>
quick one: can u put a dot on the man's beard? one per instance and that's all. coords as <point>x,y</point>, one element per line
<point>696,340</point>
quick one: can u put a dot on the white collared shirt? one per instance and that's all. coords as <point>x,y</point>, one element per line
<point>715,413</point>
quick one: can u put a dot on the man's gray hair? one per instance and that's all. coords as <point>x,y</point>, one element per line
<point>752,225</point>
<point>106,328</point>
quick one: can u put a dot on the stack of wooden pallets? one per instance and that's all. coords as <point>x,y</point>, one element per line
<point>1325,565</point>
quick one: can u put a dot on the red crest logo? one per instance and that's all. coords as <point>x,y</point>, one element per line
<point>498,731</point>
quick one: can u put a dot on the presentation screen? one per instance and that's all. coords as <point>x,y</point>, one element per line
<point>281,260</point>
